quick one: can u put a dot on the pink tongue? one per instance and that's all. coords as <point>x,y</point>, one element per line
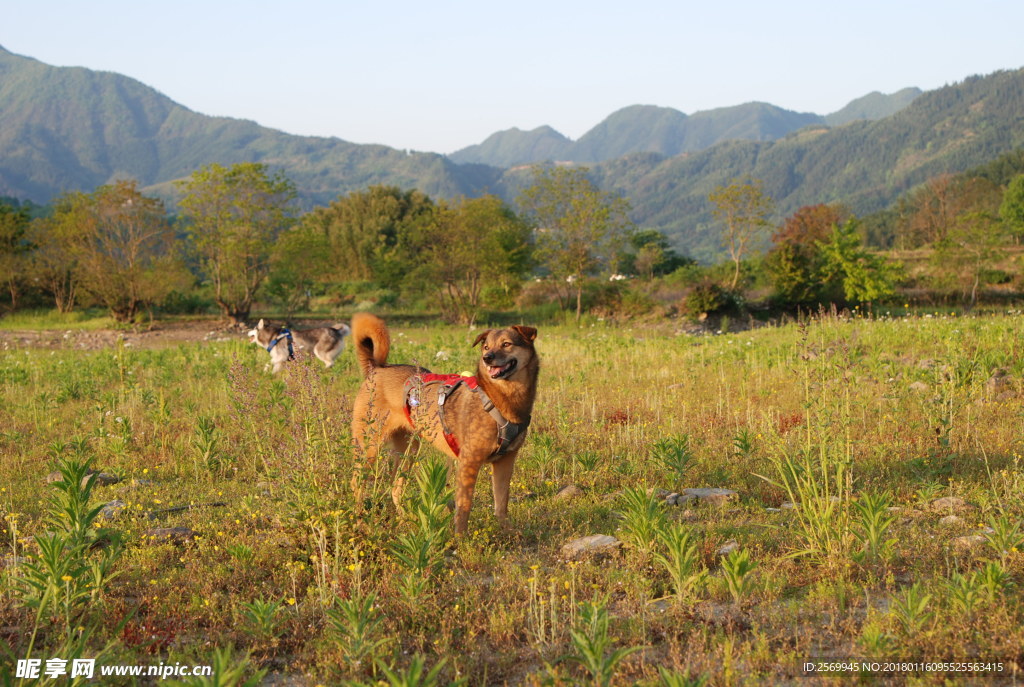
<point>495,370</point>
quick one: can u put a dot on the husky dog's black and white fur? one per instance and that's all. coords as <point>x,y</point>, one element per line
<point>326,343</point>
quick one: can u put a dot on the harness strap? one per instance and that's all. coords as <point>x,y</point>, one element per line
<point>284,333</point>
<point>507,431</point>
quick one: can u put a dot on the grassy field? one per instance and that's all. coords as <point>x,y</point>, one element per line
<point>877,515</point>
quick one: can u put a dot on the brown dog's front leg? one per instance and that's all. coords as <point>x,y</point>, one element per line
<point>501,477</point>
<point>466,481</point>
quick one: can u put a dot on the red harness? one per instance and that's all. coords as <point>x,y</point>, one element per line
<point>507,431</point>
<point>449,383</point>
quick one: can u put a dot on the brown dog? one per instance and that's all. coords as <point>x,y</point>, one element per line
<point>475,420</point>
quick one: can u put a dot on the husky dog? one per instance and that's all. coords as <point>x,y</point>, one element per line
<point>326,343</point>
<point>474,420</point>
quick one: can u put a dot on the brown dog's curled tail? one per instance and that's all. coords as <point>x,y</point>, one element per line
<point>372,341</point>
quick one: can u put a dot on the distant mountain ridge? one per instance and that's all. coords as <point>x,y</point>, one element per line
<point>64,129</point>
<point>864,164</point>
<point>873,106</point>
<point>668,132</point>
<point>70,128</point>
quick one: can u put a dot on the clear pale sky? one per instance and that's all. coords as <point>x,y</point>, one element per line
<point>438,76</point>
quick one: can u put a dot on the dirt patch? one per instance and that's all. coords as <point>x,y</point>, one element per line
<point>160,335</point>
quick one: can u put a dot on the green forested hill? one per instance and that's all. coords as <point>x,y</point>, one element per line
<point>873,106</point>
<point>863,164</point>
<point>516,147</point>
<point>668,132</point>
<point>635,129</point>
<point>75,129</point>
<point>65,128</point>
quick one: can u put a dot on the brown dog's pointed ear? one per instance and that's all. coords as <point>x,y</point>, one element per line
<point>483,335</point>
<point>528,333</point>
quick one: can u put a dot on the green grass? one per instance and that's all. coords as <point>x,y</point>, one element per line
<point>48,319</point>
<point>287,574</point>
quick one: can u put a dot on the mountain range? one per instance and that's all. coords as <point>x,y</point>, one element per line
<point>70,128</point>
<point>668,132</point>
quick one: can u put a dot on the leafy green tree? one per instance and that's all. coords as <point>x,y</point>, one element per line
<point>795,262</point>
<point>743,209</point>
<point>113,246</point>
<point>57,241</point>
<point>125,250</point>
<point>651,255</point>
<point>15,248</point>
<point>234,216</point>
<point>580,229</point>
<point>470,244</point>
<point>365,231</point>
<point>971,246</point>
<point>864,276</point>
<point>299,260</point>
<point>931,212</point>
<point>1011,211</point>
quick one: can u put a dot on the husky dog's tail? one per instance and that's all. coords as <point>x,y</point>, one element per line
<point>372,341</point>
<point>341,328</point>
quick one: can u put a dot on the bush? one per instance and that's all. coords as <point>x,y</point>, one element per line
<point>598,295</point>
<point>635,302</point>
<point>178,303</point>
<point>707,297</point>
<point>360,294</point>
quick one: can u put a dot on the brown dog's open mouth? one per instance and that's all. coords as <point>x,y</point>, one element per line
<point>498,372</point>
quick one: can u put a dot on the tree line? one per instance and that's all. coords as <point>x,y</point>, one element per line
<point>238,239</point>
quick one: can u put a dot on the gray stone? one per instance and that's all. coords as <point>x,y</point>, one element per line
<point>12,561</point>
<point>113,509</point>
<point>569,491</point>
<point>659,605</point>
<point>595,544</point>
<point>948,503</point>
<point>951,521</point>
<point>969,541</point>
<point>175,535</point>
<point>728,547</point>
<point>998,382</point>
<point>286,680</point>
<point>103,479</point>
<point>715,496</point>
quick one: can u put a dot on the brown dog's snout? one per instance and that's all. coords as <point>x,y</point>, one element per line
<point>488,357</point>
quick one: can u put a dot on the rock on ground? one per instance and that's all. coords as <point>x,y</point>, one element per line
<point>728,547</point>
<point>715,496</point>
<point>175,535</point>
<point>595,544</point>
<point>113,509</point>
<point>948,503</point>
<point>103,479</point>
<point>570,491</point>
